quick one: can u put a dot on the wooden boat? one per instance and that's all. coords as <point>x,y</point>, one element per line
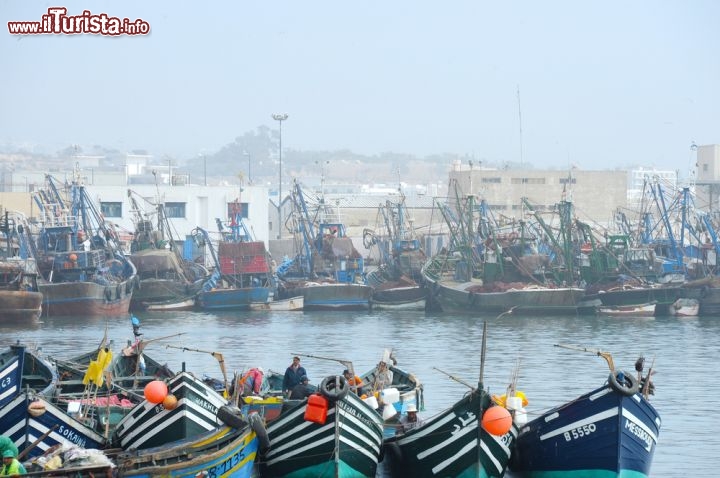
<point>293,303</point>
<point>609,431</point>
<point>187,303</point>
<point>636,310</point>
<point>465,297</point>
<point>242,274</point>
<point>332,296</point>
<point>19,295</point>
<point>332,433</point>
<point>327,270</point>
<point>152,424</point>
<point>166,277</point>
<point>82,270</point>
<point>223,452</point>
<point>21,368</point>
<point>412,297</point>
<point>454,442</point>
<point>32,421</point>
<point>408,387</point>
<point>685,308</point>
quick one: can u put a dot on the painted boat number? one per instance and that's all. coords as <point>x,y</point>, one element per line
<point>579,432</point>
<point>225,467</point>
<point>6,382</point>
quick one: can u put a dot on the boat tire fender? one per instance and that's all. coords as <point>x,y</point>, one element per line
<point>629,385</point>
<point>231,416</point>
<point>258,426</point>
<point>108,294</point>
<point>334,387</point>
<point>118,291</point>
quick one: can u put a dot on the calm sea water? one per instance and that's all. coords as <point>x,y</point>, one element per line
<point>685,352</point>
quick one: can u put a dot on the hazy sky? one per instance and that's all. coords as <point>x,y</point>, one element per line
<point>602,84</point>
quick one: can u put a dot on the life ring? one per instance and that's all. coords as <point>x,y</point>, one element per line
<point>334,387</point>
<point>258,426</point>
<point>629,387</point>
<point>231,416</point>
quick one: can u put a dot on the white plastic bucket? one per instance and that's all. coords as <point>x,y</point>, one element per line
<point>390,395</point>
<point>520,417</point>
<point>388,412</point>
<point>513,403</point>
<point>372,401</point>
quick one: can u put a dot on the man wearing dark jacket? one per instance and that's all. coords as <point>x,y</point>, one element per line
<point>301,390</point>
<point>292,375</point>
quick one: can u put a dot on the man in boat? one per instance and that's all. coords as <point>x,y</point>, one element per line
<point>252,381</point>
<point>411,419</point>
<point>11,465</point>
<point>6,444</point>
<point>302,390</point>
<point>355,382</point>
<point>292,375</point>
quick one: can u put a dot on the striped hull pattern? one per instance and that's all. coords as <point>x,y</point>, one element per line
<point>149,425</point>
<point>23,428</point>
<point>304,449</point>
<point>601,434</point>
<point>10,377</point>
<point>447,444</point>
<point>225,452</point>
<point>22,369</point>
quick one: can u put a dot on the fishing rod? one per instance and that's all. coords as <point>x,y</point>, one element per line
<point>606,355</point>
<point>453,377</point>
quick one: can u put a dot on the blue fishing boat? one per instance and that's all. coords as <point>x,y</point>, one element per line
<point>611,431</point>
<point>21,368</point>
<point>327,270</point>
<point>242,277</point>
<point>83,271</point>
<point>33,422</point>
<point>224,452</point>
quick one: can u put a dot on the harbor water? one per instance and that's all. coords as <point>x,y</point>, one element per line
<point>683,352</point>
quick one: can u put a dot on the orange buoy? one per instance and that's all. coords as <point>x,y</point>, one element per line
<point>155,391</point>
<point>73,257</point>
<point>170,402</point>
<point>497,420</point>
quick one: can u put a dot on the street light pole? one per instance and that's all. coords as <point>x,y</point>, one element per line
<point>246,154</point>
<point>280,117</point>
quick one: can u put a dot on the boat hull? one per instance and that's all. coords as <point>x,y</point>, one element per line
<point>20,305</point>
<point>150,425</point>
<point>639,310</point>
<point>86,299</point>
<point>153,291</point>
<point>601,434</point>
<point>300,448</point>
<point>232,299</point>
<point>335,296</point>
<point>25,428</point>
<point>447,444</point>
<point>23,369</point>
<point>293,303</point>
<point>458,297</point>
<point>399,298</point>
<point>224,452</point>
